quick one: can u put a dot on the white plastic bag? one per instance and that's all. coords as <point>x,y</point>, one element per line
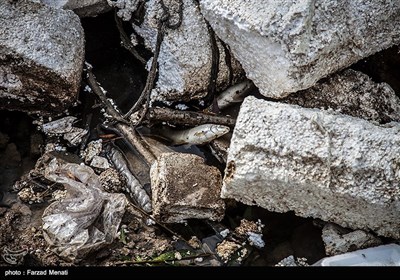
<point>87,219</point>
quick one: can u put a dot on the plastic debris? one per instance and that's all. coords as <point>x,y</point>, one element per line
<point>384,255</point>
<point>64,126</point>
<point>87,218</point>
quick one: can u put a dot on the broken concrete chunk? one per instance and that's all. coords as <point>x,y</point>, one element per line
<point>185,58</point>
<point>317,163</point>
<point>291,261</point>
<point>93,149</point>
<point>112,181</point>
<point>286,46</point>
<point>83,8</point>
<point>100,163</point>
<point>60,126</point>
<point>125,8</point>
<point>338,240</point>
<point>64,127</point>
<point>353,93</point>
<point>184,187</point>
<point>41,57</point>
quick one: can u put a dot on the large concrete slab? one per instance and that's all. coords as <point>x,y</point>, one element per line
<point>286,46</point>
<point>41,56</point>
<point>316,163</point>
<point>185,58</point>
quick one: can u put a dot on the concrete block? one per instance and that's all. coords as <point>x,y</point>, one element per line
<point>184,187</point>
<point>352,93</point>
<point>287,46</point>
<point>338,240</point>
<point>316,163</point>
<point>83,8</point>
<point>185,57</point>
<point>41,57</point>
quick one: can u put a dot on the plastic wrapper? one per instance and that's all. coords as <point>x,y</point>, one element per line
<point>87,218</point>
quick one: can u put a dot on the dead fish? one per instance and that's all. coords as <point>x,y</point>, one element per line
<point>198,135</point>
<point>234,94</point>
<point>134,188</point>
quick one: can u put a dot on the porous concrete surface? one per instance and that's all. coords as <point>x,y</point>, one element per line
<point>286,46</point>
<point>184,187</point>
<point>338,240</point>
<point>352,93</point>
<point>185,56</point>
<point>41,57</point>
<point>316,163</point>
<point>83,8</point>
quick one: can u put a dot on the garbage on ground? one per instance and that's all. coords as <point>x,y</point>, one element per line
<point>87,219</point>
<point>253,232</point>
<point>292,261</point>
<point>384,255</point>
<point>228,250</point>
<point>64,127</point>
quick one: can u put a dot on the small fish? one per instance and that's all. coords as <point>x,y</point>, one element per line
<point>198,135</point>
<point>234,94</point>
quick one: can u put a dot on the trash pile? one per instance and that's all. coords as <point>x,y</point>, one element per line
<point>212,118</point>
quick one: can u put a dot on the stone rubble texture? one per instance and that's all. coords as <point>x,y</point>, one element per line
<point>185,57</point>
<point>83,8</point>
<point>287,46</point>
<point>339,241</point>
<point>316,163</point>
<point>184,187</point>
<point>41,57</point>
<point>352,93</point>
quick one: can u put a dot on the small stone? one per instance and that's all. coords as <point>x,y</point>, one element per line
<point>226,249</point>
<point>184,187</point>
<point>112,181</point>
<point>93,149</point>
<point>245,227</point>
<point>100,163</point>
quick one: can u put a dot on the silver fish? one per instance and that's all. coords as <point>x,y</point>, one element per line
<point>198,135</point>
<point>234,94</point>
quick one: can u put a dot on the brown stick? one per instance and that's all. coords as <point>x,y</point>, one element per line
<point>151,77</point>
<point>130,134</point>
<point>122,127</point>
<point>91,79</point>
<point>187,117</point>
<point>126,42</point>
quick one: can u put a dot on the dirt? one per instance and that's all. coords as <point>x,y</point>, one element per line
<point>140,242</point>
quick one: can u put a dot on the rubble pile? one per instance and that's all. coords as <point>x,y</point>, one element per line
<point>213,117</point>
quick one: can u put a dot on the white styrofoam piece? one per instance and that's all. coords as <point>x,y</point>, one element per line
<point>384,255</point>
